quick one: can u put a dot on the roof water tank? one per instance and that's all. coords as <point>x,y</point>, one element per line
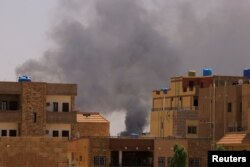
<point>246,73</point>
<point>165,90</point>
<point>191,73</point>
<point>207,71</point>
<point>24,78</point>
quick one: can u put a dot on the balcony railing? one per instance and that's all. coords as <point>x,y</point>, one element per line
<point>61,117</point>
<point>10,116</point>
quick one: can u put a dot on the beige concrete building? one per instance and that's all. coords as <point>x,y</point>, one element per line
<point>207,106</point>
<point>136,152</point>
<point>37,121</point>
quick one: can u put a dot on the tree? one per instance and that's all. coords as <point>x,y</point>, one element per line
<point>219,148</point>
<point>180,157</point>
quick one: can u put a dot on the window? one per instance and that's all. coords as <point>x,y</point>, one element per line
<point>194,162</point>
<point>191,85</point>
<point>4,132</point>
<point>12,133</point>
<point>65,133</point>
<point>161,162</point>
<point>4,105</point>
<point>229,107</point>
<point>192,130</point>
<point>65,107</point>
<point>80,158</point>
<point>196,101</point>
<point>55,106</point>
<point>99,161</point>
<point>55,133</point>
<point>13,105</point>
<point>202,84</point>
<point>34,117</point>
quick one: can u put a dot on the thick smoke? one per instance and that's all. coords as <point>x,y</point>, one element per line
<point>116,56</point>
<point>119,50</point>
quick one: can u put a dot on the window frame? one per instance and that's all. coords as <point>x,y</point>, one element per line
<point>192,130</point>
<point>54,132</point>
<point>55,107</point>
<point>63,107</point>
<point>99,160</point>
<point>12,131</point>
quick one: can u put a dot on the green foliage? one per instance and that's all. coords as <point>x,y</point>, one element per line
<point>219,148</point>
<point>180,157</point>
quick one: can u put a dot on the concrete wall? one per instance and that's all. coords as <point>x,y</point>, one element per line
<point>61,89</point>
<point>83,151</point>
<point>60,117</point>
<point>214,110</point>
<point>180,118</point>
<point>58,127</point>
<point>8,126</point>
<point>10,116</point>
<point>78,153</point>
<point>59,99</point>
<point>198,148</point>
<point>33,151</point>
<point>99,147</point>
<point>10,88</point>
<point>83,129</point>
<point>161,123</point>
<point>246,107</point>
<point>164,148</point>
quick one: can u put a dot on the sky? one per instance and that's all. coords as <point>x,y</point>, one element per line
<point>23,32</point>
<point>152,37</point>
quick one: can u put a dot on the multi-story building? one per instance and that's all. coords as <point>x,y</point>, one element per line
<point>37,121</point>
<point>207,106</point>
<point>45,109</point>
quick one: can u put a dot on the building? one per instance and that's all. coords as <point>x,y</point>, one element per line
<point>207,106</point>
<point>136,152</point>
<point>37,121</point>
<point>45,109</point>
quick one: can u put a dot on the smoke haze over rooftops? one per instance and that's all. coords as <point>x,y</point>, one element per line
<point>118,51</point>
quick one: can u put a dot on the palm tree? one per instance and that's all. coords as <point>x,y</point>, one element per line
<point>180,157</point>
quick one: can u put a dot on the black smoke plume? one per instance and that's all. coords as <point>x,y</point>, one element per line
<point>119,50</point>
<point>113,50</point>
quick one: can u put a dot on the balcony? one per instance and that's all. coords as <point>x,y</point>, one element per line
<point>10,116</point>
<point>61,117</point>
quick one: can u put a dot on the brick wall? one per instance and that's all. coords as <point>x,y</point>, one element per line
<point>33,101</point>
<point>99,147</point>
<point>33,151</point>
<point>164,148</point>
<point>198,148</point>
<point>90,129</point>
<point>180,117</point>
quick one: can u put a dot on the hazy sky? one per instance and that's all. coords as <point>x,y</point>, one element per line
<point>24,25</point>
<point>201,33</point>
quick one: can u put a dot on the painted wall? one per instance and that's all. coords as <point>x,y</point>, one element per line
<point>59,99</point>
<point>8,126</point>
<point>58,127</point>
